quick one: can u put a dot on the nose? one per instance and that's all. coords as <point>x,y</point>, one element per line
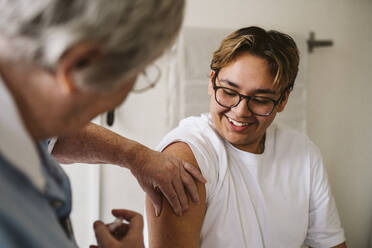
<point>242,108</point>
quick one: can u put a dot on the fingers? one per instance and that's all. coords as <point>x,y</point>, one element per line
<point>156,199</point>
<point>180,190</point>
<point>103,235</point>
<point>191,187</point>
<point>120,231</point>
<point>126,233</point>
<point>171,195</point>
<point>135,219</point>
<point>194,172</point>
<point>135,228</point>
<point>125,214</point>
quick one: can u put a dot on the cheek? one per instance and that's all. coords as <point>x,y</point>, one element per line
<point>215,108</point>
<point>119,96</point>
<point>265,122</point>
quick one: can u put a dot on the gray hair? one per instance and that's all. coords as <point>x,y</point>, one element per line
<point>132,33</point>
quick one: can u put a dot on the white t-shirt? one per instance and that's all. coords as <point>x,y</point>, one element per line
<point>280,198</point>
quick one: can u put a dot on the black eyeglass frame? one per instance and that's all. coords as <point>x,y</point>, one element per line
<point>150,83</point>
<point>276,102</point>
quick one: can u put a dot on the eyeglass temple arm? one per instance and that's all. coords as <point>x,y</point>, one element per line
<point>216,71</point>
<point>289,88</point>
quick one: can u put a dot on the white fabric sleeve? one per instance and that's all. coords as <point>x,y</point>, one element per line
<point>203,151</point>
<point>324,222</point>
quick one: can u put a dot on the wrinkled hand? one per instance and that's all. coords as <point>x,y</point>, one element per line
<point>160,173</point>
<point>126,236</point>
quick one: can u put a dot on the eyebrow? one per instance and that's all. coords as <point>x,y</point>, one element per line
<point>257,91</point>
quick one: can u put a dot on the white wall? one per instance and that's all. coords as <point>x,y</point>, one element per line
<point>340,87</point>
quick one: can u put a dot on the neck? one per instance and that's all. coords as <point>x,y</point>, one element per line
<point>256,148</point>
<point>261,146</point>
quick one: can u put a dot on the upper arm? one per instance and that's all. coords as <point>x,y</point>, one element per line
<point>169,230</point>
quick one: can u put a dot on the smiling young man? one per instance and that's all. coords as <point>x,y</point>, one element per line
<point>267,186</point>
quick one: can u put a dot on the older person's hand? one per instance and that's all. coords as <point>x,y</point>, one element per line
<point>156,172</point>
<point>160,173</point>
<point>131,236</point>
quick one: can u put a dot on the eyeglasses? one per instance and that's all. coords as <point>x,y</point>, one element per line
<point>258,105</point>
<point>147,79</point>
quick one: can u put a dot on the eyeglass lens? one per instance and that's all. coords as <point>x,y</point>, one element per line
<point>257,105</point>
<point>147,79</point>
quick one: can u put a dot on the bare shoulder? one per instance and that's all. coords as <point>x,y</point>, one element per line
<point>183,151</point>
<point>169,230</point>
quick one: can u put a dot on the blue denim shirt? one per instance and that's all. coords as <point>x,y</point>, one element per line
<point>31,218</point>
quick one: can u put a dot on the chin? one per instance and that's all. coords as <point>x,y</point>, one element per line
<point>238,142</point>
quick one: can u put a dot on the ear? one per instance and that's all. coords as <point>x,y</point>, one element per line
<point>210,84</point>
<point>75,59</point>
<point>284,101</point>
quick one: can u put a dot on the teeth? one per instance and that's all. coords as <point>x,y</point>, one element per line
<point>236,123</point>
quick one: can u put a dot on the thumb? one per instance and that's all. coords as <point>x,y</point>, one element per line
<point>156,199</point>
<point>136,226</point>
<point>103,235</point>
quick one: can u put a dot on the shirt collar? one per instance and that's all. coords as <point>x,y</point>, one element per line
<point>16,144</point>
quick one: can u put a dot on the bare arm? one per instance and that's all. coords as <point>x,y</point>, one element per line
<point>94,144</point>
<point>97,145</point>
<point>170,230</point>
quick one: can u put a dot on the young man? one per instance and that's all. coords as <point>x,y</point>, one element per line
<point>267,186</point>
<point>61,64</point>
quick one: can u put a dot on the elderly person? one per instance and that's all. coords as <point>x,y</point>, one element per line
<point>267,186</point>
<point>61,64</point>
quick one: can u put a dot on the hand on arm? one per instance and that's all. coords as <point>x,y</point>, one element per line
<point>169,175</point>
<point>156,172</point>
<point>169,230</point>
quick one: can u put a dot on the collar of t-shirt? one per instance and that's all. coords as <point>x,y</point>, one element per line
<point>16,144</point>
